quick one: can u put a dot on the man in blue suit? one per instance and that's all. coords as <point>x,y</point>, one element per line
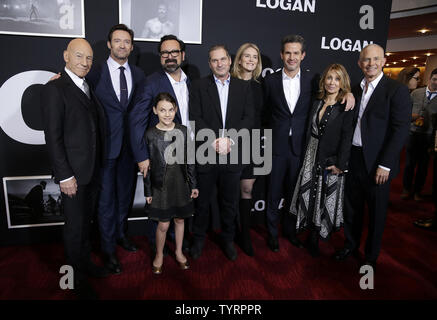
<point>116,83</point>
<point>172,79</point>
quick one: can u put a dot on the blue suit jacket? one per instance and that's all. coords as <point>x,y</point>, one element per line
<point>141,117</point>
<point>116,114</point>
<point>281,118</point>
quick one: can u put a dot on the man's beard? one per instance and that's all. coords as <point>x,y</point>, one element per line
<point>173,67</point>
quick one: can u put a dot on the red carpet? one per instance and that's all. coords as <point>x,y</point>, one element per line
<point>407,268</point>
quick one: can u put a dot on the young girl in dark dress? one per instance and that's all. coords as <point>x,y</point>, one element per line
<point>170,185</point>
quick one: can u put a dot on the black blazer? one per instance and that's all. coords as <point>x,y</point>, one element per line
<point>204,109</point>
<point>281,118</point>
<point>73,137</point>
<point>158,166</point>
<point>385,124</point>
<point>335,143</point>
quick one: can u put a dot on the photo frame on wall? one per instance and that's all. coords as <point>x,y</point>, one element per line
<point>48,18</point>
<point>153,19</point>
<point>35,201</point>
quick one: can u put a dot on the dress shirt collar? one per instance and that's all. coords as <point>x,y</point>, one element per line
<point>217,80</point>
<point>114,65</point>
<point>77,80</point>
<point>173,81</point>
<point>429,91</point>
<point>373,83</point>
<point>285,76</point>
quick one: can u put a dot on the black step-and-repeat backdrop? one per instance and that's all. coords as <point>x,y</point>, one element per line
<point>33,35</point>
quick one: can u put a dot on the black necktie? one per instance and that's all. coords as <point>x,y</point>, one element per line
<point>123,87</point>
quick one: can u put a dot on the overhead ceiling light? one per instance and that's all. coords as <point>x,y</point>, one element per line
<point>414,58</point>
<point>415,65</point>
<point>388,54</point>
<point>424,30</point>
<point>394,62</point>
<point>404,60</point>
<point>429,54</point>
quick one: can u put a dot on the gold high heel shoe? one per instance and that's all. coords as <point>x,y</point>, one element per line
<point>184,265</point>
<point>157,270</point>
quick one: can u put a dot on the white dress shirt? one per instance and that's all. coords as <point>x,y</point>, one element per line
<point>223,92</point>
<point>357,141</point>
<point>114,72</point>
<point>180,89</point>
<point>291,90</point>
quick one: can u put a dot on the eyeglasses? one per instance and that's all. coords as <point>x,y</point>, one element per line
<point>416,78</point>
<point>174,53</point>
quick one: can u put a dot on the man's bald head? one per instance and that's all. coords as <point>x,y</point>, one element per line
<point>371,61</point>
<point>78,57</point>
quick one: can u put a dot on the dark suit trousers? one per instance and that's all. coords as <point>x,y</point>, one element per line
<point>78,212</point>
<point>361,189</point>
<point>417,156</point>
<point>118,177</point>
<point>228,189</point>
<point>282,182</point>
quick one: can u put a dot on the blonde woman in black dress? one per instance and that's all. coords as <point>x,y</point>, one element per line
<point>248,66</point>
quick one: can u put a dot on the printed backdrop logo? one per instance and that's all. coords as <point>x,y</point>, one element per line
<point>288,5</point>
<point>11,116</point>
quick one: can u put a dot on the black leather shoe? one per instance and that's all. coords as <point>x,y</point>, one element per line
<point>343,254</point>
<point>95,271</point>
<point>230,251</point>
<point>112,264</point>
<point>273,244</point>
<point>295,242</point>
<point>370,263</point>
<point>127,245</point>
<point>428,224</point>
<point>196,250</point>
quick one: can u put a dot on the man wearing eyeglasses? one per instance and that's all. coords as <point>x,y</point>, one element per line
<point>172,79</point>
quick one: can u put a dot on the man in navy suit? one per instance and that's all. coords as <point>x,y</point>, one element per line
<point>115,83</point>
<point>382,124</point>
<point>172,79</point>
<point>288,95</point>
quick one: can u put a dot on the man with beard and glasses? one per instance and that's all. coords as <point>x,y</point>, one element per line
<point>172,79</point>
<point>116,83</point>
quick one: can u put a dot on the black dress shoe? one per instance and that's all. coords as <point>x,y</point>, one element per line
<point>273,244</point>
<point>295,242</point>
<point>371,263</point>
<point>428,224</point>
<point>127,245</point>
<point>112,264</point>
<point>344,254</point>
<point>95,271</point>
<point>230,251</point>
<point>196,250</point>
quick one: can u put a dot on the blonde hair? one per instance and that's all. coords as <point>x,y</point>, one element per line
<point>345,83</point>
<point>237,70</point>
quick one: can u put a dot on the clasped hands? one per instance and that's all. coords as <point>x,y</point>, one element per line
<point>222,145</point>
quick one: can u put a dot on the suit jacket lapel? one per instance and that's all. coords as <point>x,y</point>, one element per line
<point>75,90</point>
<point>375,95</point>
<point>280,86</point>
<point>213,93</point>
<point>108,83</point>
